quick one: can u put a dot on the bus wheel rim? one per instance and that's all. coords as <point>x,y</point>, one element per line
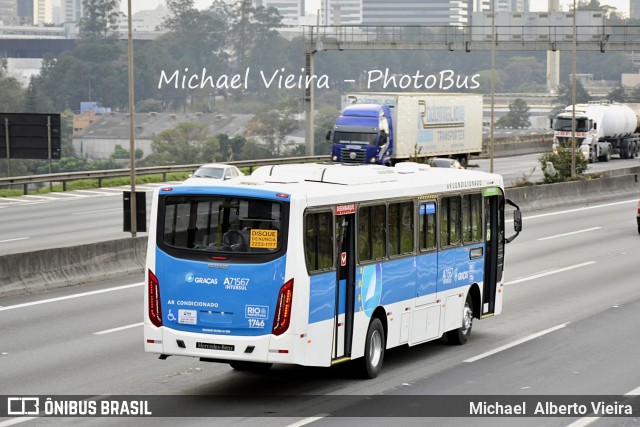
<point>467,319</point>
<point>375,348</point>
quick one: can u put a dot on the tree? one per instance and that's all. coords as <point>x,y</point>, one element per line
<point>517,117</point>
<point>522,72</point>
<point>187,143</point>
<point>634,95</point>
<point>231,147</point>
<point>273,124</point>
<point>100,18</point>
<point>556,165</point>
<point>617,95</point>
<point>11,93</point>
<point>565,94</point>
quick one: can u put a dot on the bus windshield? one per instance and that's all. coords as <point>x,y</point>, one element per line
<point>221,224</point>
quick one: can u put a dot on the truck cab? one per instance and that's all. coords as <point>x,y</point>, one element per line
<point>363,134</point>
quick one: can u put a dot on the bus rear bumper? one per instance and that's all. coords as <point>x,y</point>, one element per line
<point>264,348</point>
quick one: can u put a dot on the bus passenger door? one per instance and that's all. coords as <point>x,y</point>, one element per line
<point>494,253</point>
<point>345,286</point>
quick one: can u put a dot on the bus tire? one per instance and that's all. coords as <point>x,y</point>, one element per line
<point>371,363</point>
<point>461,335</point>
<point>239,365</point>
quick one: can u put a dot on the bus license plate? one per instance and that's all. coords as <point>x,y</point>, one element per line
<point>212,346</point>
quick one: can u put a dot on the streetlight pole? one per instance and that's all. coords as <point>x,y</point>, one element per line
<point>573,95</point>
<point>132,144</point>
<point>493,84</point>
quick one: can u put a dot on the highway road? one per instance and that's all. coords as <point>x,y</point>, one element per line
<point>569,327</point>
<point>53,220</point>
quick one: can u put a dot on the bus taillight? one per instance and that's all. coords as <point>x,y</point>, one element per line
<point>155,312</point>
<point>282,316</point>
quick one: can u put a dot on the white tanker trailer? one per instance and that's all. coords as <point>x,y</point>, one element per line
<point>603,129</point>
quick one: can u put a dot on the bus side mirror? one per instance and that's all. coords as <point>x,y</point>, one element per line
<point>551,123</point>
<point>517,221</point>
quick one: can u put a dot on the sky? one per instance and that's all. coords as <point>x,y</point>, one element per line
<point>312,5</point>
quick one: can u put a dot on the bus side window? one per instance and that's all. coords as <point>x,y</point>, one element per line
<point>400,228</point>
<point>372,223</point>
<point>450,216</point>
<point>472,218</point>
<point>318,241</point>
<point>427,226</point>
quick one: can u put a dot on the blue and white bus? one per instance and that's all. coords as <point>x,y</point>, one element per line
<point>319,264</point>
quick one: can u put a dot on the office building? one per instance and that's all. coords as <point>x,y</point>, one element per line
<point>341,12</point>
<point>8,12</point>
<point>415,12</point>
<point>290,10</point>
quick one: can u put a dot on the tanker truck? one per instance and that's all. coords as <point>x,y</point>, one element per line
<point>603,129</point>
<point>386,128</point>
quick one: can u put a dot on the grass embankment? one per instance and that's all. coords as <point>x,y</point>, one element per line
<point>87,184</point>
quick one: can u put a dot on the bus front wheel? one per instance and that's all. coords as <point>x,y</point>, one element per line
<point>459,336</point>
<point>374,346</point>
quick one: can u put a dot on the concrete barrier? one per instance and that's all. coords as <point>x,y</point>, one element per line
<point>572,193</point>
<point>52,268</point>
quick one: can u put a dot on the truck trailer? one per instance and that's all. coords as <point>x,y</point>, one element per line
<point>387,128</point>
<point>603,129</point>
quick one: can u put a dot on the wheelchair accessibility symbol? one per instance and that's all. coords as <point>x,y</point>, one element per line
<point>171,317</point>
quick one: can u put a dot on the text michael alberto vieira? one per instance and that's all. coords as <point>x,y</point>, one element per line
<point>597,408</point>
<point>283,79</point>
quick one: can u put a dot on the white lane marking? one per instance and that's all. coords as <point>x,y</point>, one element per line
<point>68,194</point>
<point>17,200</point>
<point>99,193</point>
<point>570,233</point>
<point>14,421</point>
<point>32,196</point>
<point>515,343</point>
<point>584,208</point>
<point>307,421</point>
<point>20,420</point>
<point>84,294</point>
<point>13,240</point>
<point>585,421</point>
<point>121,328</point>
<point>548,273</point>
<point>92,212</point>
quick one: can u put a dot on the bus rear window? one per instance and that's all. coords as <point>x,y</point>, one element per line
<point>221,224</point>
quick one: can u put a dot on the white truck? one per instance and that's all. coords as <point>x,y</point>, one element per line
<point>386,128</point>
<point>603,128</point>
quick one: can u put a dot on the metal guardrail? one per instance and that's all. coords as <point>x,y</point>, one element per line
<point>66,177</point>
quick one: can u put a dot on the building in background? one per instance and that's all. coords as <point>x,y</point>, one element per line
<point>290,10</point>
<point>72,10</point>
<point>634,9</point>
<point>415,12</point>
<point>42,12</point>
<point>8,12</point>
<point>25,12</point>
<point>340,12</point>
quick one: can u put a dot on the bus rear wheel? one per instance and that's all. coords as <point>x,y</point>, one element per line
<point>461,335</point>
<point>371,363</point>
<point>250,366</point>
